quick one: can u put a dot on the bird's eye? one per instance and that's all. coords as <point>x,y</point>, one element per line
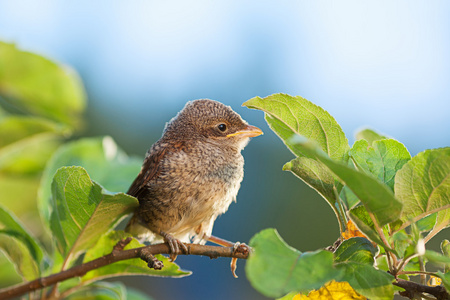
<point>222,127</point>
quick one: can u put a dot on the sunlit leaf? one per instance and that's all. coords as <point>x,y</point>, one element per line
<point>82,210</point>
<point>316,175</point>
<point>8,273</point>
<point>383,159</point>
<point>423,186</point>
<point>427,223</point>
<point>275,268</point>
<point>357,249</point>
<point>10,225</point>
<point>103,160</point>
<point>17,128</point>
<point>20,256</point>
<point>376,196</point>
<point>39,86</point>
<point>18,192</point>
<point>26,143</point>
<point>369,135</point>
<point>288,115</point>
<point>127,267</point>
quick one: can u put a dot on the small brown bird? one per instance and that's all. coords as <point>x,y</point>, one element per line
<point>190,175</point>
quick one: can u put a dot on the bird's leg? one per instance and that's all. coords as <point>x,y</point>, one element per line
<point>237,248</point>
<point>174,245</point>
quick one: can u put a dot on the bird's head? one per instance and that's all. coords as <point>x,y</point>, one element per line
<point>212,121</point>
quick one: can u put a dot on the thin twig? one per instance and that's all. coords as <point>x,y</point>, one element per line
<point>115,256</point>
<point>421,216</point>
<point>416,273</point>
<point>435,231</point>
<point>405,260</point>
<point>342,223</point>
<point>379,230</point>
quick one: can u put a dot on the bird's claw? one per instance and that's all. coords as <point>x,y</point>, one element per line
<point>238,248</point>
<point>241,248</point>
<point>175,245</point>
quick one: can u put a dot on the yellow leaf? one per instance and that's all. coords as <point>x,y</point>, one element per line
<point>332,291</point>
<point>434,281</point>
<point>352,231</point>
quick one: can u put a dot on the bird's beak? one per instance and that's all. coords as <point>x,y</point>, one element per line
<point>249,131</point>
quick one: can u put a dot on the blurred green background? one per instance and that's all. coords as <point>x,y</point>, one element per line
<point>380,64</point>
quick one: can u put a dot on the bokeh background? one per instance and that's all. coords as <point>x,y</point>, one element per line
<point>381,64</point>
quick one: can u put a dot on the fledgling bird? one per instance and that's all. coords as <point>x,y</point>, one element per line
<point>190,175</point>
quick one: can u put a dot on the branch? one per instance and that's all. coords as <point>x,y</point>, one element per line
<point>412,288</point>
<point>116,255</point>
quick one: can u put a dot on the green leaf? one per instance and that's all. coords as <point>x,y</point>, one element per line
<point>367,281</point>
<point>427,223</point>
<point>403,242</point>
<point>100,291</point>
<point>362,220</point>
<point>437,258</point>
<point>82,210</point>
<point>10,225</point>
<point>383,159</point>
<point>316,175</point>
<point>128,267</point>
<point>28,156</point>
<point>18,192</point>
<point>39,86</point>
<point>20,256</point>
<point>17,128</point>
<point>134,294</point>
<point>289,296</point>
<point>26,143</point>
<point>8,273</point>
<point>445,279</point>
<point>423,186</point>
<point>275,268</point>
<point>105,162</point>
<point>288,115</point>
<point>357,249</point>
<point>376,196</point>
<point>445,248</point>
<point>348,197</point>
<point>369,135</point>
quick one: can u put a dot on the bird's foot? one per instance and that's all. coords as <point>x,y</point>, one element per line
<point>241,248</point>
<point>151,260</point>
<point>237,248</point>
<point>175,245</point>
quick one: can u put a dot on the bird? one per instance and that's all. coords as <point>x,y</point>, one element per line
<point>190,175</point>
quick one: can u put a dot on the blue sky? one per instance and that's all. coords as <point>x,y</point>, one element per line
<point>382,64</point>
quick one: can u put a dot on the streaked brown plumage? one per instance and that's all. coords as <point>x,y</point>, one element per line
<point>191,175</point>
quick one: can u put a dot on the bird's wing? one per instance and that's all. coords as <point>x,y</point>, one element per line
<point>150,168</point>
